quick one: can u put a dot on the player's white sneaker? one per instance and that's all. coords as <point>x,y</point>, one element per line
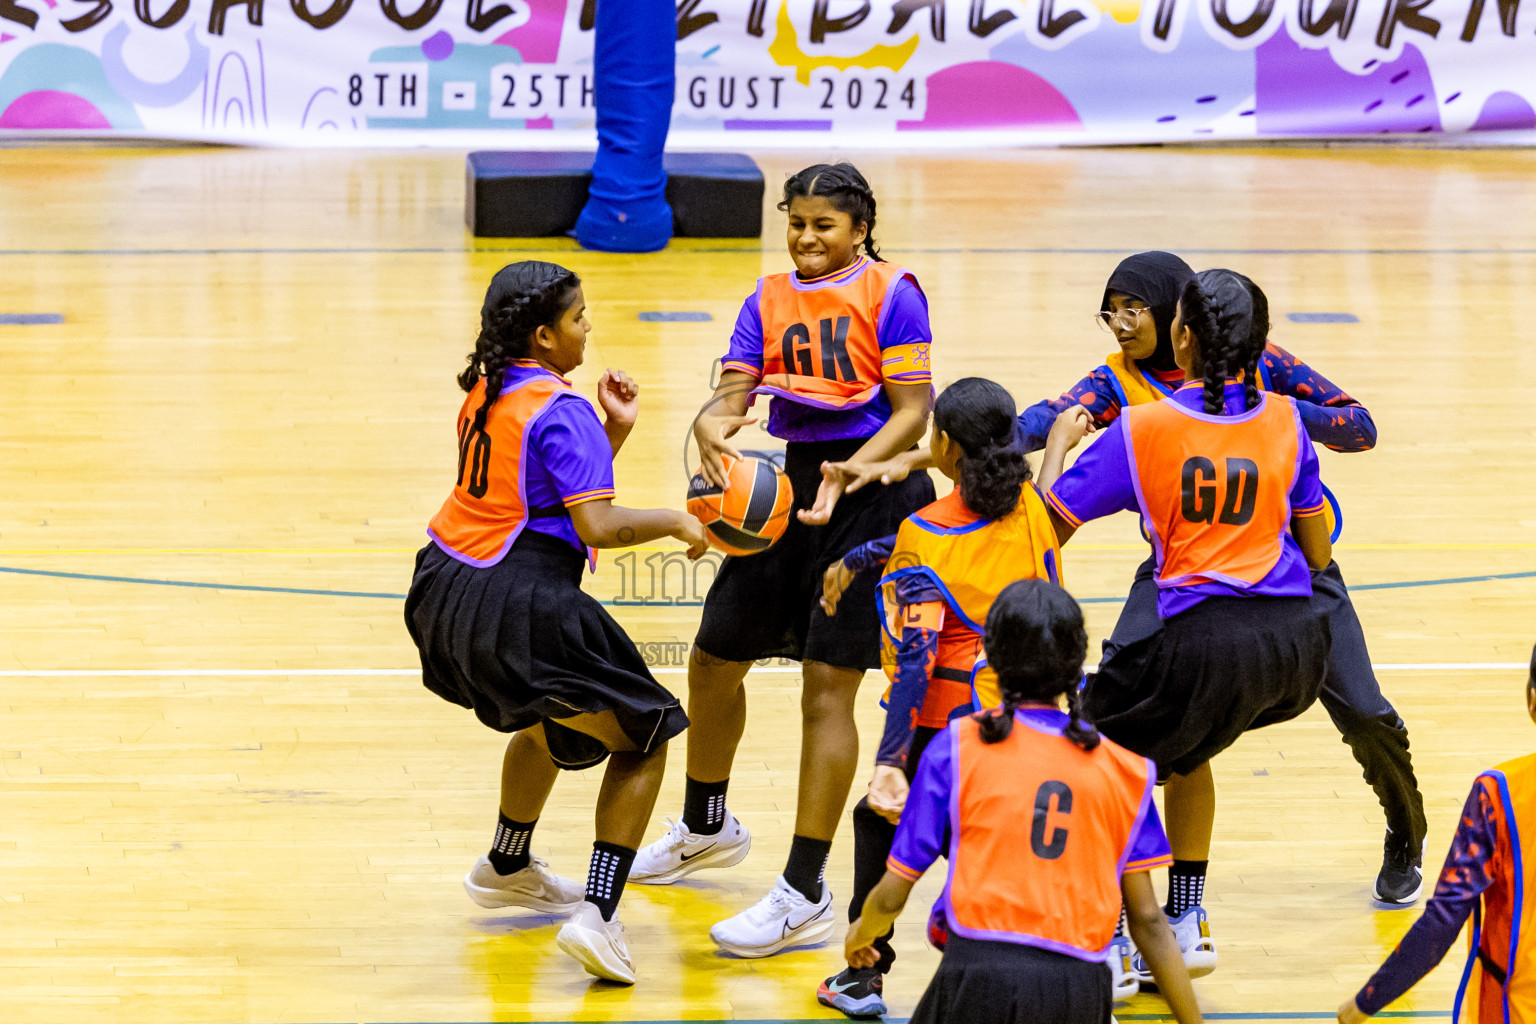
<point>1123,980</point>
<point>681,852</point>
<point>596,944</point>
<point>1193,933</point>
<point>779,920</point>
<point>535,887</point>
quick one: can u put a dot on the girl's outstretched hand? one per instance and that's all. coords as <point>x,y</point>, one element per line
<point>691,532</point>
<point>619,396</point>
<point>1350,1013</point>
<point>855,475</point>
<point>1071,427</point>
<point>888,793</point>
<point>833,582</point>
<point>710,432</point>
<point>827,495</point>
<point>859,948</point>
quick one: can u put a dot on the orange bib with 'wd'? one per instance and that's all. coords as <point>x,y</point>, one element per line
<point>1040,828</point>
<point>969,564</point>
<point>1499,983</point>
<point>1215,490</point>
<point>487,509</point>
<point>821,339</point>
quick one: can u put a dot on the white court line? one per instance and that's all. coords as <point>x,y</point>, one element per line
<point>161,673</point>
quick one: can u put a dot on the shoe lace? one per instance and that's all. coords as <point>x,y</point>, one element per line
<point>1398,850</point>
<point>677,832</point>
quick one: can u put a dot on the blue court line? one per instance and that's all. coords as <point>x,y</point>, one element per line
<point>193,583</point>
<point>462,250</point>
<point>1267,1015</point>
<point>317,592</point>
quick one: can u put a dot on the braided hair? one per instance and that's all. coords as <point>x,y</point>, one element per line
<point>1035,642</point>
<point>979,415</point>
<point>522,298</point>
<point>845,188</point>
<point>1229,316</point>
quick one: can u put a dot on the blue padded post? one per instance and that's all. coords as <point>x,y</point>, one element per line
<point>634,62</point>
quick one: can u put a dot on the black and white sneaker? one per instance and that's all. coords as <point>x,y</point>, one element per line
<point>1401,880</point>
<point>856,992</point>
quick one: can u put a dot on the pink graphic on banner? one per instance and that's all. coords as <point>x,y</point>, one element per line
<point>537,41</point>
<point>1303,92</point>
<point>1505,111</point>
<point>993,94</point>
<point>49,108</point>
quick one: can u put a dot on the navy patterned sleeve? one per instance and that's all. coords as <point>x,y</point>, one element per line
<point>869,555</point>
<point>1094,392</point>
<point>1467,873</point>
<point>1332,418</point>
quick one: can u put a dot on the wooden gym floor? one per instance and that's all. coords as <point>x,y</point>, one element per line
<point>227,797</point>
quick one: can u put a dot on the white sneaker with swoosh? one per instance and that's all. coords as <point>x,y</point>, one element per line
<point>681,852</point>
<point>782,919</point>
<point>533,888</point>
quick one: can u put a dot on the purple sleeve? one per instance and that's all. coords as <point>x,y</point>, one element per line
<point>1332,417</point>
<point>1099,483</point>
<point>1468,872</point>
<point>1307,491</point>
<point>920,836</point>
<point>571,446</point>
<point>1094,393</point>
<point>745,354</point>
<point>870,555</point>
<point>1149,843</point>
<point>905,316</point>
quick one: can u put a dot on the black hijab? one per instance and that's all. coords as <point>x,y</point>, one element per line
<point>1158,279</point>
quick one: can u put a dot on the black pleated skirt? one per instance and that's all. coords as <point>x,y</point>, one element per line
<point>1187,691</point>
<point>520,643</point>
<point>1005,983</point>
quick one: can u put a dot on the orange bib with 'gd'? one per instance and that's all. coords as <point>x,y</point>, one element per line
<point>1215,489</point>
<point>1040,828</point>
<point>820,340</point>
<point>487,510</point>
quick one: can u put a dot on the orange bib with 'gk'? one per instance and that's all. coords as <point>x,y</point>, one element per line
<point>820,341</point>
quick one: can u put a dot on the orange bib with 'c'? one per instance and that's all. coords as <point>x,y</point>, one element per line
<point>1040,831</point>
<point>821,340</point>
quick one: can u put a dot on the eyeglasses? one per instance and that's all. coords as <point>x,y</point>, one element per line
<point>1124,320</point>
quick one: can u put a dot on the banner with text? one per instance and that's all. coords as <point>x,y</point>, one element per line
<point>518,73</point>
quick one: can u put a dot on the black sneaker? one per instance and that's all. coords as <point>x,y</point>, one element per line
<point>856,992</point>
<point>1401,880</point>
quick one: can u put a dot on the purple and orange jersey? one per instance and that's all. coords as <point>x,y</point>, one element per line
<point>541,451</point>
<point>1217,492</point>
<point>1487,876</point>
<point>1038,833</point>
<point>1332,418</point>
<point>824,348</point>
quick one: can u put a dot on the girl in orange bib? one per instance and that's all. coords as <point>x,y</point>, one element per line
<point>1047,828</point>
<point>840,347</point>
<point>497,611</point>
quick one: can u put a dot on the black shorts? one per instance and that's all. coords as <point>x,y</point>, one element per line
<point>767,605</point>
<point>1185,693</point>
<point>520,643</point>
<point>1005,983</point>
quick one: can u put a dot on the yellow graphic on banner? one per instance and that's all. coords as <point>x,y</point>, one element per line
<point>1125,12</point>
<point>786,51</point>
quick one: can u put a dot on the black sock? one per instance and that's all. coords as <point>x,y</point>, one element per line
<point>704,806</point>
<point>1120,929</point>
<point>509,850</point>
<point>607,875</point>
<point>807,864</point>
<point>1186,886</point>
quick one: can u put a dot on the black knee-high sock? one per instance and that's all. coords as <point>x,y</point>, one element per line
<point>704,806</point>
<point>607,876</point>
<point>509,850</point>
<point>806,866</point>
<point>1186,886</point>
